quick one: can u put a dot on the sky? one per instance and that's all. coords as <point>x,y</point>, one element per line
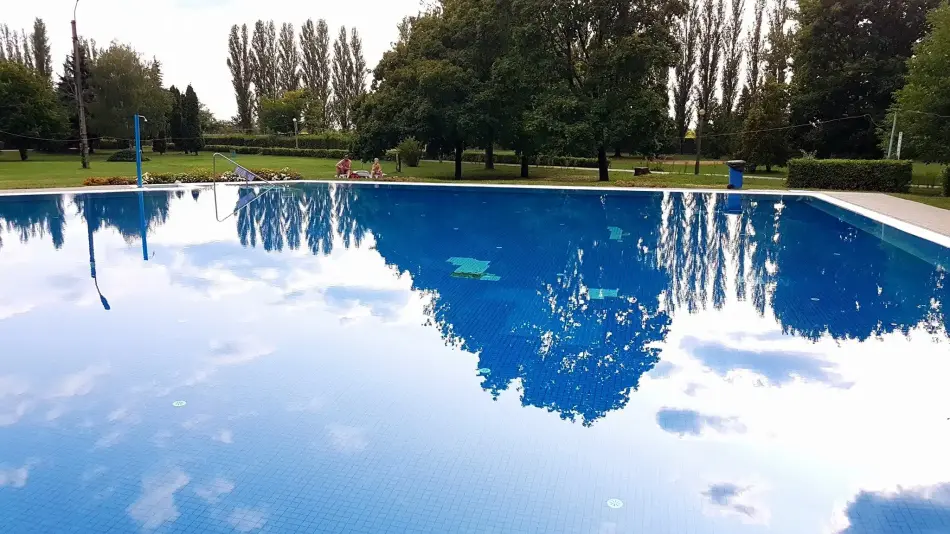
<point>190,37</point>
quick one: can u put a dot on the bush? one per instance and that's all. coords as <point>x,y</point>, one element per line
<point>107,143</point>
<point>946,181</point>
<point>325,140</point>
<point>410,151</point>
<point>851,175</point>
<point>302,152</point>
<point>159,145</point>
<point>547,161</point>
<point>196,176</point>
<point>125,155</point>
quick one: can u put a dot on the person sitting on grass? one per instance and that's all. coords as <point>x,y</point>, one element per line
<point>377,170</point>
<point>343,167</point>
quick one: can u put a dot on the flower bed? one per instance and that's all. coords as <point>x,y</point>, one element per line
<point>196,176</point>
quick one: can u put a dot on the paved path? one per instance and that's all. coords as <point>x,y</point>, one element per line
<point>934,219</point>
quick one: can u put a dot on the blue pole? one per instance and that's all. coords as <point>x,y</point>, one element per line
<point>143,229</point>
<point>138,151</point>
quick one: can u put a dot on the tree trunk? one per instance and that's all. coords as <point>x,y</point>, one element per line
<point>23,154</point>
<point>490,154</point>
<point>459,147</point>
<point>524,166</point>
<point>602,164</point>
<point>617,153</point>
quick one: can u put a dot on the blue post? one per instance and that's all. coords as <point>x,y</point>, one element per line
<point>138,151</point>
<point>143,229</point>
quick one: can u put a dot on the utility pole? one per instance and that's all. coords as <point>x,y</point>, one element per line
<point>890,146</point>
<point>699,138</point>
<point>77,78</point>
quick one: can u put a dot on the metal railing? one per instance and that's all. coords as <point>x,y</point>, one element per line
<point>248,176</point>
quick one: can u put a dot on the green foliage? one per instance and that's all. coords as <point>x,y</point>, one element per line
<point>410,151</point>
<point>192,140</point>
<point>848,61</point>
<point>336,140</point>
<point>946,181</point>
<point>328,153</point>
<point>926,134</point>
<point>160,144</point>
<point>764,143</point>
<point>124,84</point>
<point>277,115</point>
<point>195,176</point>
<point>125,156</point>
<point>541,159</point>
<point>176,120</point>
<point>851,175</point>
<point>28,106</point>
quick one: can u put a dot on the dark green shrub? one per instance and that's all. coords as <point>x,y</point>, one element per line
<point>850,175</point>
<point>946,181</point>
<point>160,144</point>
<point>410,151</point>
<point>302,152</point>
<point>125,155</point>
<point>107,143</point>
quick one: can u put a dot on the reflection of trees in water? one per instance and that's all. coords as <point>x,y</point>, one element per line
<point>34,216</point>
<point>538,326</point>
<point>121,211</point>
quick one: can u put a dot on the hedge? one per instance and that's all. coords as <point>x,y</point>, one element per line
<point>548,161</point>
<point>197,176</point>
<point>851,175</point>
<point>946,181</point>
<point>301,152</point>
<point>326,140</point>
<point>125,155</point>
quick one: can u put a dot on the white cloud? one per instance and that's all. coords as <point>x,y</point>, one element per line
<point>347,438</point>
<point>246,519</point>
<point>156,505</point>
<point>190,37</point>
<point>14,478</point>
<point>224,436</point>
<point>213,492</point>
<point>80,383</point>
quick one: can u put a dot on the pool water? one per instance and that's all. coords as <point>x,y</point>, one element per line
<point>358,358</point>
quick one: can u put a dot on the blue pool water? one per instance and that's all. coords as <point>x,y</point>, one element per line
<point>350,358</point>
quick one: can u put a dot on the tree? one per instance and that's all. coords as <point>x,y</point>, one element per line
<point>125,85</point>
<point>239,61</point>
<point>342,80</point>
<point>42,61</point>
<point>685,74</point>
<point>191,111</point>
<point>28,108</point>
<point>754,49</point>
<point>357,66</point>
<point>732,57</point>
<point>66,90</point>
<point>27,50</point>
<point>176,119</point>
<point>315,71</point>
<point>711,19</point>
<point>264,60</point>
<point>780,42</point>
<point>288,60</point>
<point>923,104</point>
<point>609,55</point>
<point>848,63</point>
<point>277,115</point>
<point>160,143</point>
<point>765,139</point>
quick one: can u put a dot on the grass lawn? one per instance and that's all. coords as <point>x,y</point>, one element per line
<point>55,170</point>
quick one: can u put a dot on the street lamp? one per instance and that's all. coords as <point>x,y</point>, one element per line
<point>296,144</point>
<point>77,79</point>
<point>699,137</point>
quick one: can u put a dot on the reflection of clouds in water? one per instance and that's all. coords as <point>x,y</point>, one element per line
<point>246,519</point>
<point>213,492</point>
<point>922,509</point>
<point>80,383</point>
<point>12,414</point>
<point>108,440</point>
<point>662,369</point>
<point>779,367</point>
<point>732,499</point>
<point>15,477</point>
<point>11,409</point>
<point>313,405</point>
<point>683,422</point>
<point>347,438</point>
<point>224,436</point>
<point>156,505</point>
<point>382,303</point>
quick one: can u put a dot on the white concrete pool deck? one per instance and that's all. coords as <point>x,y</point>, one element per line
<point>915,218</point>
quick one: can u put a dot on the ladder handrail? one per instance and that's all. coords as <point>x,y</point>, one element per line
<point>247,180</point>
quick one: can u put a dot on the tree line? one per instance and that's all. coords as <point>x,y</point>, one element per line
<point>761,80</point>
<point>115,83</point>
<point>279,77</point>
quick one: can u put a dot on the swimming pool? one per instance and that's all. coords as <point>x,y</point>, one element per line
<point>358,358</point>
